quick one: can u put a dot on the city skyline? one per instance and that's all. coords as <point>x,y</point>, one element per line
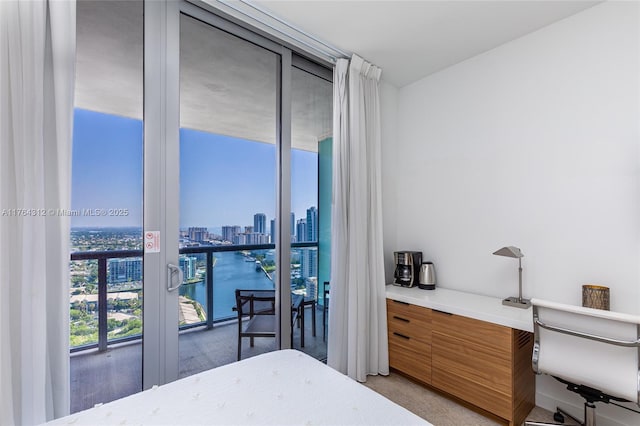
<point>305,229</point>
<point>107,174</point>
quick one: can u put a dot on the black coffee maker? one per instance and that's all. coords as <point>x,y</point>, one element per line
<point>407,268</point>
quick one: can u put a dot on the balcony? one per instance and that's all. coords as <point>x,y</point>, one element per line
<point>111,293</point>
<point>108,364</point>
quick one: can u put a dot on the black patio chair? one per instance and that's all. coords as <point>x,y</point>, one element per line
<point>259,306</point>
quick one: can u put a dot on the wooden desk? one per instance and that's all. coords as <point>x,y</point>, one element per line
<point>470,347</point>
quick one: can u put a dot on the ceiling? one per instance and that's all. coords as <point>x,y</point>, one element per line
<point>412,39</point>
<point>228,86</point>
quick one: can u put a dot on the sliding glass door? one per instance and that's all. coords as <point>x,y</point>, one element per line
<point>229,103</point>
<point>252,117</point>
<point>197,160</point>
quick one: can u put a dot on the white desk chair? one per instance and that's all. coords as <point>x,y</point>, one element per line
<point>595,353</point>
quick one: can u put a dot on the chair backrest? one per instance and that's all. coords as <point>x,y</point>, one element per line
<point>590,347</point>
<point>255,302</point>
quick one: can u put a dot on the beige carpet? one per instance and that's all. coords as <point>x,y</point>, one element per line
<point>435,408</point>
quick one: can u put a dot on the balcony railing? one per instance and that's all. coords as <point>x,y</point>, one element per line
<point>102,257</point>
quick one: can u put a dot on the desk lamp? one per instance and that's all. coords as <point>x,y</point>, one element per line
<point>517,302</point>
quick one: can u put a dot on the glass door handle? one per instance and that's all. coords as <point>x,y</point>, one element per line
<point>172,271</point>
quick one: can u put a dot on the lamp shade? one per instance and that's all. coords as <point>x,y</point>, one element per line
<point>509,251</point>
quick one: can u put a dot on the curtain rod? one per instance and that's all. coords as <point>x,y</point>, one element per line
<point>331,52</point>
<point>295,28</point>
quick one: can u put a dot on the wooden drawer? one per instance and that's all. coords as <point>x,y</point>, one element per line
<point>416,334</point>
<point>474,373</point>
<point>478,365</point>
<point>409,320</point>
<point>472,360</point>
<point>474,331</point>
<point>416,364</point>
<point>481,396</point>
<point>408,311</point>
<point>409,339</point>
<point>406,340</point>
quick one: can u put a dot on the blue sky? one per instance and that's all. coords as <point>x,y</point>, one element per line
<point>224,180</point>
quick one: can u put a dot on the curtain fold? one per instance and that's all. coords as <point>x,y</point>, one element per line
<point>37,72</point>
<point>357,343</point>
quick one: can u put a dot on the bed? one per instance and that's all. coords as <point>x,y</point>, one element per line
<point>277,388</point>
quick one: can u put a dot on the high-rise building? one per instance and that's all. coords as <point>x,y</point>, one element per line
<point>260,223</point>
<point>229,232</point>
<point>124,270</point>
<point>273,231</point>
<point>312,224</point>
<point>301,230</point>
<point>256,238</point>
<point>198,234</point>
<point>239,239</point>
<point>293,229</point>
<point>248,229</point>
<point>311,287</point>
<point>308,263</point>
<point>188,266</point>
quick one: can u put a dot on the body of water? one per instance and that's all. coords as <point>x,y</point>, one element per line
<point>231,271</point>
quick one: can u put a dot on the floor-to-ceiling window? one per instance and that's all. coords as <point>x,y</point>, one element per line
<point>311,126</point>
<point>230,95</point>
<point>252,122</point>
<point>106,216</point>
<point>228,110</point>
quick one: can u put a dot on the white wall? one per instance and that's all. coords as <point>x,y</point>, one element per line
<point>389,141</point>
<point>533,144</point>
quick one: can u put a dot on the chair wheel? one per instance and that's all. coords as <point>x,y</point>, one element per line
<point>558,417</point>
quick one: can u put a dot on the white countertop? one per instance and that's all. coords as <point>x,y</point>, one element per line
<point>470,305</point>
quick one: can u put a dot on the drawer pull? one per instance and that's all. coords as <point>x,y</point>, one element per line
<point>401,319</point>
<point>442,312</point>
<point>401,335</point>
<point>402,303</point>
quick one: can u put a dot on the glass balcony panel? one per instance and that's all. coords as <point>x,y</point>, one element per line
<point>245,269</point>
<point>304,267</point>
<point>83,307</point>
<point>124,298</point>
<point>192,302</point>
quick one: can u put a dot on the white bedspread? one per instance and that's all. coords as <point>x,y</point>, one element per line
<point>278,388</point>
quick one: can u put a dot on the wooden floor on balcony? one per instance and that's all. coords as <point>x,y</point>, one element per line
<point>99,377</point>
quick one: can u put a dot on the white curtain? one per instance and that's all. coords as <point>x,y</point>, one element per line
<point>357,344</point>
<point>37,70</point>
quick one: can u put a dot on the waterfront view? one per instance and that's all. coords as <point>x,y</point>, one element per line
<point>109,145</point>
<point>209,196</point>
<point>246,269</point>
